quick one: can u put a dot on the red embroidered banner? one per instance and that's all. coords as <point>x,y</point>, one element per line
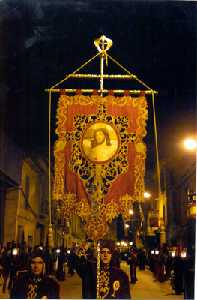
<point>100,156</point>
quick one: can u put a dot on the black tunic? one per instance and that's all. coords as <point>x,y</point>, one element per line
<point>27,286</point>
<point>114,283</point>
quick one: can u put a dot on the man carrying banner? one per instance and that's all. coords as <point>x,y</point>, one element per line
<point>113,282</point>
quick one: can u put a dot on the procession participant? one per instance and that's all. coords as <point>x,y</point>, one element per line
<point>113,282</point>
<point>61,262</point>
<point>132,261</point>
<point>34,284</point>
<point>5,267</point>
<point>141,259</point>
<point>116,260</point>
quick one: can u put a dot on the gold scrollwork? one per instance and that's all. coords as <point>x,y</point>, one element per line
<point>83,209</point>
<point>126,201</point>
<point>96,227</point>
<point>111,211</point>
<point>96,179</point>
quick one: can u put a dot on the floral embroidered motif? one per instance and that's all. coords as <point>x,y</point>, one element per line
<point>97,176</point>
<point>104,284</point>
<point>32,291</point>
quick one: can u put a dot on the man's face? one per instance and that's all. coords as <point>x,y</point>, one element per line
<point>100,137</point>
<point>37,265</point>
<point>106,255</point>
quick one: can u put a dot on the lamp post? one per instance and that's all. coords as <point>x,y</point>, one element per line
<point>131,229</point>
<point>190,145</point>
<point>50,227</point>
<point>150,215</point>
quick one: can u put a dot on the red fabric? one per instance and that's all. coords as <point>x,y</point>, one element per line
<point>77,109</point>
<point>123,184</point>
<point>126,110</point>
<point>73,183</point>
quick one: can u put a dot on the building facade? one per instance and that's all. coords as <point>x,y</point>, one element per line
<point>181,199</point>
<point>25,212</point>
<point>23,195</point>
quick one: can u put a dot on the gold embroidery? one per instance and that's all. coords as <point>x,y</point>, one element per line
<point>99,170</point>
<point>104,284</point>
<point>31,291</point>
<point>116,286</point>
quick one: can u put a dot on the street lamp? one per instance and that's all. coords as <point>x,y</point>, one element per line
<point>190,144</point>
<point>131,225</point>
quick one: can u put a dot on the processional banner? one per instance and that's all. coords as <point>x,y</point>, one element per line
<point>99,157</point>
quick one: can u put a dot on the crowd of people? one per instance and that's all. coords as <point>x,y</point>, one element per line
<point>35,272</point>
<point>176,266</point>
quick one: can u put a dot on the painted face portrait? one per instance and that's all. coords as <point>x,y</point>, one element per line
<point>101,135</point>
<point>100,142</point>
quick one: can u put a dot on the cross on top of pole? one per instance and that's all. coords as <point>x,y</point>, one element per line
<point>103,44</point>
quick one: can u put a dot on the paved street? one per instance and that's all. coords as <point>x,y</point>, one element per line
<point>145,288</point>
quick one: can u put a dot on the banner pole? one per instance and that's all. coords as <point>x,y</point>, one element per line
<point>50,228</point>
<point>102,54</point>
<point>156,149</point>
<point>101,72</point>
<point>98,271</point>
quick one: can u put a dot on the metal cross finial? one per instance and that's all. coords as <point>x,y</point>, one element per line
<point>103,43</point>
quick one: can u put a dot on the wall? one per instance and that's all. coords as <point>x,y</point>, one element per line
<point>11,203</point>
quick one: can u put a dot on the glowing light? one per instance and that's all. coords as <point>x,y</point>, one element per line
<point>14,251</point>
<point>152,252</point>
<point>58,251</point>
<point>131,212</point>
<point>190,144</point>
<point>126,225</point>
<point>173,253</point>
<point>183,254</point>
<point>156,252</point>
<point>147,195</point>
<point>131,243</point>
<point>118,243</point>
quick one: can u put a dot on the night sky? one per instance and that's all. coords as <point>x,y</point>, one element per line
<point>42,41</point>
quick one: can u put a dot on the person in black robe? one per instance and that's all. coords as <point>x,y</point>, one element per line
<point>34,284</point>
<point>141,259</point>
<point>113,282</point>
<point>132,262</point>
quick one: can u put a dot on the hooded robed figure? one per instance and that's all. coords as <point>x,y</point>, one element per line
<point>34,284</point>
<point>114,283</point>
